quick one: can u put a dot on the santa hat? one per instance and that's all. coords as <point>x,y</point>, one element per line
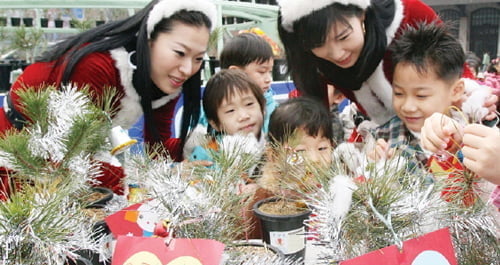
<point>293,10</point>
<point>166,8</point>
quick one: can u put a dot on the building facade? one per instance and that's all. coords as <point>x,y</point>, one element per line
<point>476,23</point>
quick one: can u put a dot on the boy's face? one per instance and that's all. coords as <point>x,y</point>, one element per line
<point>241,114</point>
<point>316,149</point>
<point>417,96</point>
<point>260,73</point>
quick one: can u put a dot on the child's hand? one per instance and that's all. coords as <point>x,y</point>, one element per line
<point>482,151</point>
<point>382,151</point>
<point>440,133</point>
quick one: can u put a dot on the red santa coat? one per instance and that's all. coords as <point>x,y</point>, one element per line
<point>100,70</point>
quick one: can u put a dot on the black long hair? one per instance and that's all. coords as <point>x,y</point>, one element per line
<point>131,33</point>
<point>310,73</point>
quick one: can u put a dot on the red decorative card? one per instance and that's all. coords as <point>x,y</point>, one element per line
<point>433,248</point>
<point>131,250</point>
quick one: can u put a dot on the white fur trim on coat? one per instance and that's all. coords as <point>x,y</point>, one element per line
<point>166,8</point>
<point>130,105</point>
<point>396,21</point>
<point>375,96</point>
<point>293,10</point>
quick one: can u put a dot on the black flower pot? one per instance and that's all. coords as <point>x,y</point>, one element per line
<point>286,232</point>
<point>107,196</point>
<point>15,21</point>
<point>44,22</point>
<point>3,21</point>
<point>28,21</point>
<point>58,23</point>
<point>5,69</point>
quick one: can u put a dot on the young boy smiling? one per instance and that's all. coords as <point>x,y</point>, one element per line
<point>428,64</point>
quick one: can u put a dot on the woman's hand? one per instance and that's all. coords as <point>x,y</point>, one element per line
<point>482,151</point>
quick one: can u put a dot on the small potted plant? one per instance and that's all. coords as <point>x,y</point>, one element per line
<point>3,21</point>
<point>27,40</point>
<point>15,21</point>
<point>44,22</point>
<point>28,21</point>
<point>282,214</point>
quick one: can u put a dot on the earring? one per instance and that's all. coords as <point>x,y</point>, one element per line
<point>363,27</point>
<point>130,54</point>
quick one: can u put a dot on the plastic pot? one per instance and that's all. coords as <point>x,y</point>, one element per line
<point>28,21</point>
<point>44,22</point>
<point>58,23</point>
<point>286,232</point>
<point>15,21</point>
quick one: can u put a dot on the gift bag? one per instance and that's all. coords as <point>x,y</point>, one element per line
<point>434,248</point>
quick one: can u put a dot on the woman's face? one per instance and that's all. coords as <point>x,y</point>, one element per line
<point>177,55</point>
<point>343,43</point>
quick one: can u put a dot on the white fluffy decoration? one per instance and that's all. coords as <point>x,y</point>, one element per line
<point>342,188</point>
<point>166,8</point>
<point>197,137</point>
<point>234,145</point>
<point>473,106</point>
<point>293,10</point>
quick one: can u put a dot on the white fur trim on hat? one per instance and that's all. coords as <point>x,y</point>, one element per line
<point>293,10</point>
<point>166,8</point>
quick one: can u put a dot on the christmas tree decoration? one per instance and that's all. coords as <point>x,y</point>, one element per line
<point>396,204</point>
<point>50,170</point>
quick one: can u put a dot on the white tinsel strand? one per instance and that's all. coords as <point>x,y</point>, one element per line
<point>414,202</point>
<point>67,104</point>
<point>64,106</point>
<point>6,160</point>
<point>165,184</point>
<point>66,231</point>
<point>84,170</point>
<point>47,146</point>
<point>253,259</point>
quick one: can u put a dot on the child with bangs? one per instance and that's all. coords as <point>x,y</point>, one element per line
<point>253,55</point>
<point>300,135</point>
<point>234,106</point>
<point>428,64</point>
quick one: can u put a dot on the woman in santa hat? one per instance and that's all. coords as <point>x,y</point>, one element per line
<point>150,58</point>
<point>344,43</point>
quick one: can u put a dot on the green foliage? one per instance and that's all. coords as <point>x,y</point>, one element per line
<point>82,25</point>
<point>27,40</point>
<point>40,223</point>
<point>213,40</point>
